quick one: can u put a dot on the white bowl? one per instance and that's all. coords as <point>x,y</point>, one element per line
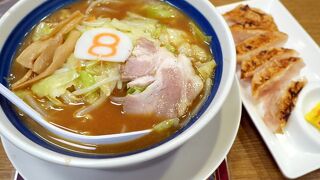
<point>19,19</point>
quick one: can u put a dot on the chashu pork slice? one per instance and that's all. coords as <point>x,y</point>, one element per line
<point>279,106</point>
<point>170,90</point>
<point>250,18</point>
<point>141,82</point>
<point>254,45</point>
<point>274,75</point>
<point>249,67</point>
<point>175,87</point>
<point>143,61</point>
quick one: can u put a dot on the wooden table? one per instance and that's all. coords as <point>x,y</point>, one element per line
<point>249,157</point>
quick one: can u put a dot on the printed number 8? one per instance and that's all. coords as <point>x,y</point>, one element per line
<point>96,43</point>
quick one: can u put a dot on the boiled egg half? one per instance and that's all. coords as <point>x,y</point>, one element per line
<point>103,44</point>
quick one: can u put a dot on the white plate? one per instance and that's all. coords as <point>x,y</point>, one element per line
<point>197,159</point>
<point>292,158</point>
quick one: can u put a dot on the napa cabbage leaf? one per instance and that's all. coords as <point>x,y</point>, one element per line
<point>167,124</point>
<point>42,30</point>
<point>55,85</point>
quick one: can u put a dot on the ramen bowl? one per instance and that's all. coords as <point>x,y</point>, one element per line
<point>26,13</point>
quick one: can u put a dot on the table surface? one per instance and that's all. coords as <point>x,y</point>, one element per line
<point>249,157</point>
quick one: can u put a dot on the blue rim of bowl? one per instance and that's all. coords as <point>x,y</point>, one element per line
<point>14,40</point>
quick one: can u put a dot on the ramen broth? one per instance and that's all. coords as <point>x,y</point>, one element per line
<point>108,118</point>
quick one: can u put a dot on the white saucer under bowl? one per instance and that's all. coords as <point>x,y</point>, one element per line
<point>196,159</point>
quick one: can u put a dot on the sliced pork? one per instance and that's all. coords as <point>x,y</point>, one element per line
<point>143,61</point>
<point>174,87</point>
<point>141,82</point>
<point>274,75</point>
<point>249,67</point>
<point>280,105</point>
